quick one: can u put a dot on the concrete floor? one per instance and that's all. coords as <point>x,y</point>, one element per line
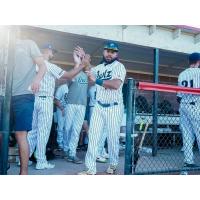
<point>166,159</point>
<point>62,167</point>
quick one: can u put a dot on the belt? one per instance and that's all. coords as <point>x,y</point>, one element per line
<point>192,103</point>
<point>42,96</point>
<point>106,105</point>
<point>45,96</point>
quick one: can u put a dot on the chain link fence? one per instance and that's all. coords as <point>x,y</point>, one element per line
<point>176,132</point>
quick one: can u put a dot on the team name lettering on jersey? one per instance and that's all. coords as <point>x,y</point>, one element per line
<point>82,80</point>
<point>106,75</point>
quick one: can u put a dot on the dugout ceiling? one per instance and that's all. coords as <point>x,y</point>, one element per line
<point>137,59</point>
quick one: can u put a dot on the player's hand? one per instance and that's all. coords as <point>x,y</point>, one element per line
<point>35,86</point>
<point>86,62</point>
<point>77,58</point>
<point>80,51</point>
<point>91,77</point>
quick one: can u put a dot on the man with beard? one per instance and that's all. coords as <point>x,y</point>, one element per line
<point>109,78</point>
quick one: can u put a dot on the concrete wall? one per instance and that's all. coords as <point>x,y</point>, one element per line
<point>162,37</point>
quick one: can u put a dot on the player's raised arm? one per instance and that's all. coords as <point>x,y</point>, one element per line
<point>81,61</point>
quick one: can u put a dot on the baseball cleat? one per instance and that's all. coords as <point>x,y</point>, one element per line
<point>86,173</point>
<point>105,155</point>
<point>74,159</point>
<point>46,165</point>
<point>111,169</point>
<point>101,159</point>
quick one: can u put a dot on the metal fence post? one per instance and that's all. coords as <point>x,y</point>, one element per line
<point>128,167</point>
<point>155,103</point>
<point>7,99</point>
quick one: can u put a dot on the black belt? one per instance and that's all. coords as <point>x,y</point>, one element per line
<point>106,105</point>
<point>192,103</point>
<point>42,96</point>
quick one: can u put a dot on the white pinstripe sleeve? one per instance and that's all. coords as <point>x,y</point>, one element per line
<point>55,70</point>
<point>119,72</point>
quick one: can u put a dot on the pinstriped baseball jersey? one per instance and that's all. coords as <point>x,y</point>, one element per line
<point>47,85</point>
<point>115,70</point>
<point>61,94</point>
<point>189,78</point>
<point>43,112</point>
<point>106,119</point>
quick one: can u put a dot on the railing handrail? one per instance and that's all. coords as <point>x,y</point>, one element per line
<point>167,88</point>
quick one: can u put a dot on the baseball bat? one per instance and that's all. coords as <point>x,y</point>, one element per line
<point>137,147</point>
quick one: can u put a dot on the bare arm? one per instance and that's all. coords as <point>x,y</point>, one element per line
<point>78,55</point>
<point>58,104</point>
<point>82,62</point>
<point>42,70</point>
<point>73,72</point>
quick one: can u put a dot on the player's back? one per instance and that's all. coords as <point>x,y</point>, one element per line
<point>190,77</point>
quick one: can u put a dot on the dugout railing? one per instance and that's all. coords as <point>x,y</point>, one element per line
<point>154,136</point>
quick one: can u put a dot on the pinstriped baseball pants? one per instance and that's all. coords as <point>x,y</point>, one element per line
<point>75,115</point>
<point>60,127</point>
<point>110,118</point>
<point>190,127</point>
<point>101,148</point>
<point>41,127</point>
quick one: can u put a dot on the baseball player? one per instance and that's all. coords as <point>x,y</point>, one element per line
<point>43,107</point>
<point>109,78</point>
<point>60,101</point>
<point>189,108</point>
<point>75,114</point>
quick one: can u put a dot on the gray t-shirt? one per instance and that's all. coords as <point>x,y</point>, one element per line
<point>24,69</point>
<point>78,90</point>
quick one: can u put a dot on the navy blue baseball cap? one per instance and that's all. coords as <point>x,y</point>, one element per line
<point>49,46</point>
<point>194,57</point>
<point>111,45</point>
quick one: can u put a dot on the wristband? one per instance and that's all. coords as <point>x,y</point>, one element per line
<point>99,82</point>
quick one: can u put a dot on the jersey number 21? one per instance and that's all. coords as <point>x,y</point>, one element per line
<point>187,83</point>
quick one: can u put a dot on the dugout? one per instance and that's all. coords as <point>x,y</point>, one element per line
<point>139,60</point>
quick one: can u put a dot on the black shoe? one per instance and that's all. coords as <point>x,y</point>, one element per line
<point>190,165</point>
